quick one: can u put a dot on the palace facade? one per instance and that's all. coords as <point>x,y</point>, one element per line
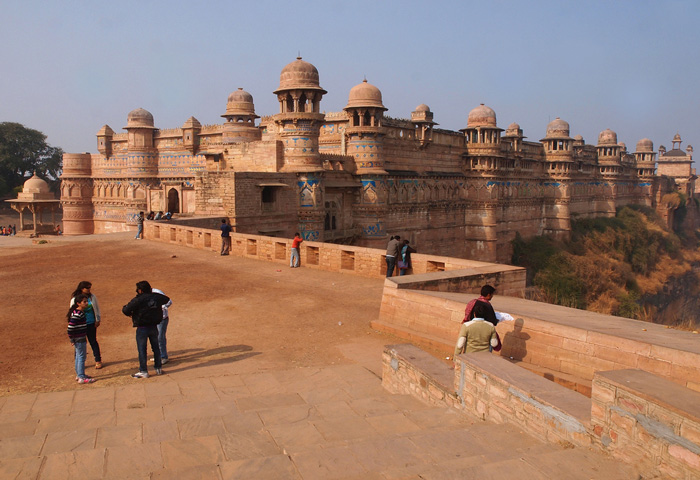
<point>359,176</point>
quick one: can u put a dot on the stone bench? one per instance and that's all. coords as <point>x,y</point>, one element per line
<point>498,390</point>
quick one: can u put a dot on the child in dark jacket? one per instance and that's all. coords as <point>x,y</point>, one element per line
<point>77,333</point>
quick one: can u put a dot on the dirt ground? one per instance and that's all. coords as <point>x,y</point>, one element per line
<point>226,310</point>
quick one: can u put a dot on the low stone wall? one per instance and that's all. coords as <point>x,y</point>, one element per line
<point>563,344</point>
<point>649,421</point>
<point>430,272</point>
<point>644,420</point>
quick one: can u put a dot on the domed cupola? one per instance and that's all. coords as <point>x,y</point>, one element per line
<point>365,95</point>
<point>140,125</point>
<point>299,75</point>
<point>645,158</point>
<point>139,118</point>
<point>240,118</point>
<point>299,120</point>
<point>608,148</point>
<point>607,137</point>
<point>558,128</point>
<point>481,116</point>
<point>558,143</point>
<point>365,133</point>
<point>482,127</point>
<point>240,103</point>
<point>645,145</point>
<point>422,118</point>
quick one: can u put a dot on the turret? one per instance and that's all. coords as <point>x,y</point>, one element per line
<point>365,132</point>
<point>104,140</point>
<point>300,119</point>
<point>240,118</point>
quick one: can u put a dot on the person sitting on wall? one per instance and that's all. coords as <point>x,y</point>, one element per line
<point>477,334</point>
<point>168,216</point>
<point>151,216</point>
<point>159,215</point>
<point>58,230</point>
<point>487,292</point>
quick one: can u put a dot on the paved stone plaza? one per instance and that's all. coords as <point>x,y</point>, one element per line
<point>259,412</point>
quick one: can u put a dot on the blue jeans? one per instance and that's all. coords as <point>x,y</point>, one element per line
<point>139,234</point>
<point>390,264</point>
<point>143,336</point>
<point>162,341</point>
<point>80,355</point>
<point>294,258</point>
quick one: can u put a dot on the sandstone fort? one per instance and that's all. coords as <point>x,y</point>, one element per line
<point>358,176</point>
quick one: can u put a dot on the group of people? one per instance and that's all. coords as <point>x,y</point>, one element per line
<point>7,230</point>
<point>398,254</point>
<point>151,216</point>
<point>149,314</point>
<point>159,216</point>
<point>478,330</point>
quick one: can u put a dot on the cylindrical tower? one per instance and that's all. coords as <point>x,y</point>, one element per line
<point>76,194</point>
<point>142,162</point>
<point>365,132</point>
<point>300,119</point>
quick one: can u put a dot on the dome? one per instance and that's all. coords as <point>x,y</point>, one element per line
<point>645,145</point>
<point>481,116</point>
<point>240,102</point>
<point>677,138</point>
<point>607,137</point>
<point>35,185</point>
<point>557,128</point>
<point>365,95</point>
<point>299,75</point>
<point>422,108</point>
<point>514,130</point>
<point>578,138</point>
<point>139,118</point>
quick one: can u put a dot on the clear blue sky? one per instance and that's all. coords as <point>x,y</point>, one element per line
<point>69,67</point>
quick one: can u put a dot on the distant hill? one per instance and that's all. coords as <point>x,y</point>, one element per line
<point>631,265</point>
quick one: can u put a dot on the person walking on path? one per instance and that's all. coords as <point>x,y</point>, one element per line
<point>405,261</point>
<point>77,333</point>
<point>146,312</point>
<point>477,334</point>
<point>392,253</point>
<point>92,317</point>
<point>294,257</point>
<point>139,222</point>
<point>162,329</point>
<point>487,292</point>
<point>225,237</point>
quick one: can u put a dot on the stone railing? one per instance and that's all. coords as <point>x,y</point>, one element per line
<point>446,273</point>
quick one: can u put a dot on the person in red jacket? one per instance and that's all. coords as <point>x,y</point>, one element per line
<point>294,257</point>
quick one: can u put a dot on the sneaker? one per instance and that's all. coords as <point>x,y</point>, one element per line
<point>98,365</point>
<point>140,375</point>
<point>86,380</point>
<point>159,371</point>
<point>163,361</point>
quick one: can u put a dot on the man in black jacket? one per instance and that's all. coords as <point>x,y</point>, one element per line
<point>146,312</point>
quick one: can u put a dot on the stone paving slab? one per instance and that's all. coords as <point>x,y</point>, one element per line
<point>304,423</point>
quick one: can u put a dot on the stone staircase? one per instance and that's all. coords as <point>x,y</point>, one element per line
<point>305,423</point>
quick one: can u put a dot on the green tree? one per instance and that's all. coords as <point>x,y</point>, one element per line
<point>24,151</point>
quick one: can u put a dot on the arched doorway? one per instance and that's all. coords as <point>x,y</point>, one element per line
<point>173,201</point>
